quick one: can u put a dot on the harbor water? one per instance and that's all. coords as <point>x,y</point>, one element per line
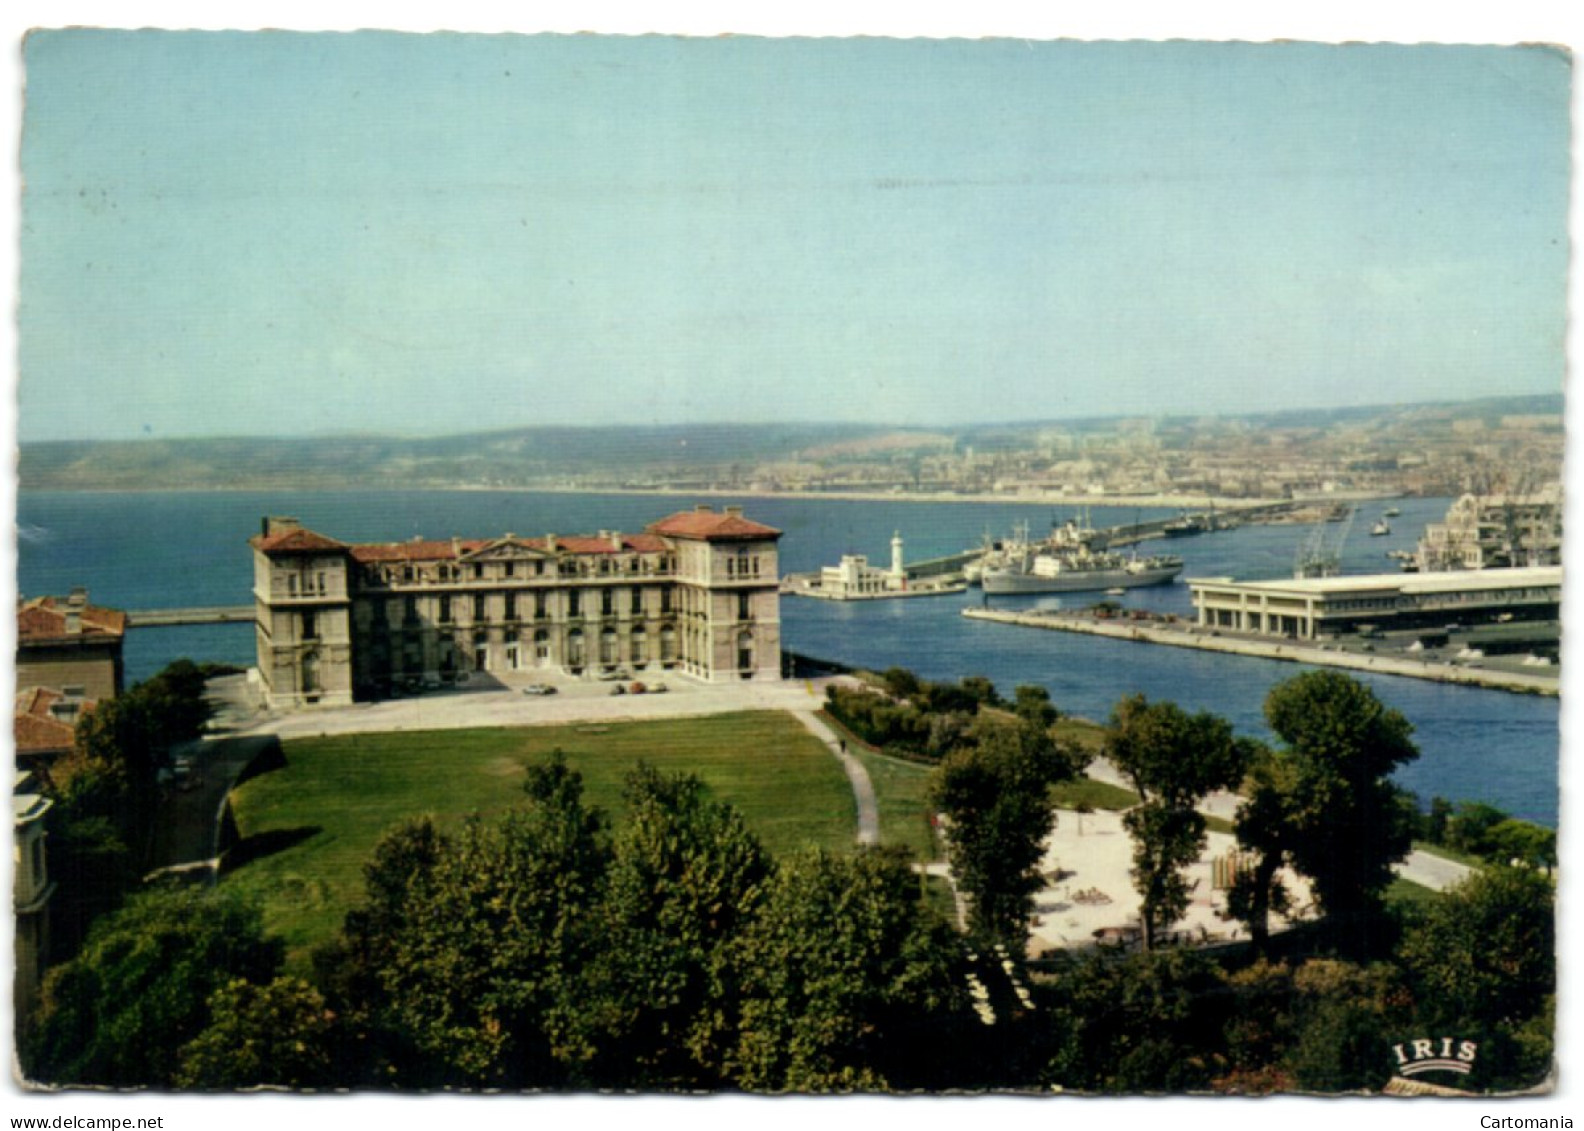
<point>184,549</point>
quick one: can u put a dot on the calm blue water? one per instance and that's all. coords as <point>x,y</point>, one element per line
<point>175,549</point>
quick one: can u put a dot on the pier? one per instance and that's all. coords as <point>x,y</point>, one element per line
<point>169,618</point>
<point>1183,634</point>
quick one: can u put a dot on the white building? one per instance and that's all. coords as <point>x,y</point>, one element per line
<point>1308,608</point>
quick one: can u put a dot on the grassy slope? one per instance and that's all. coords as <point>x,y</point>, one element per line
<point>324,812</point>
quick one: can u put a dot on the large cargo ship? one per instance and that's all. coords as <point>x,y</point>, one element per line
<point>1075,570</point>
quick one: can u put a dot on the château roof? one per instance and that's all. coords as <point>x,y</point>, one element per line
<point>703,523</point>
<point>431,550</point>
<point>44,618</point>
<point>296,541</point>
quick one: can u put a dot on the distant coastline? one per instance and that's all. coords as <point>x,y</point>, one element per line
<point>1045,498</point>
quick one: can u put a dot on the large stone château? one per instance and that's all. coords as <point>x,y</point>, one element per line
<point>696,594</point>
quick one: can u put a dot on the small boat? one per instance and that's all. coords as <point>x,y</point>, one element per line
<point>1391,512</point>
<point>1380,528</point>
<point>1115,591</point>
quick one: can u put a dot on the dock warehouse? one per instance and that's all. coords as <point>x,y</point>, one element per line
<point>1317,607</point>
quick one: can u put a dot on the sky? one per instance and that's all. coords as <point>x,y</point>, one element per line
<point>293,233</point>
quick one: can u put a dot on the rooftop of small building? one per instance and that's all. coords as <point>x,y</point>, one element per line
<point>36,725</point>
<point>1443,581</point>
<point>41,619</point>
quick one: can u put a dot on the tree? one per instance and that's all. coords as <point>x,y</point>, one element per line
<point>1033,704</point>
<point>1173,759</point>
<point>484,972</point>
<point>848,981</point>
<point>1263,828</point>
<point>1485,952</point>
<point>398,881</point>
<point>995,796</point>
<point>982,689</point>
<point>686,877</point>
<point>1347,823</point>
<point>277,1035</point>
<point>141,988</point>
<point>1519,842</point>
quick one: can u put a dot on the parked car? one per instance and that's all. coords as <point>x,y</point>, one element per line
<point>619,689</point>
<point>539,689</point>
<point>615,673</point>
<point>657,687</point>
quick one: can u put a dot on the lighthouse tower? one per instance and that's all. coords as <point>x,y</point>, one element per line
<point>896,555</point>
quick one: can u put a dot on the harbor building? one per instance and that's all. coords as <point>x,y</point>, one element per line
<point>1312,608</point>
<point>695,593</point>
<point>71,645</point>
<point>855,577</point>
<point>1495,531</point>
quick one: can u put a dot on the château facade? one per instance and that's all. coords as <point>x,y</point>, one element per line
<point>695,593</point>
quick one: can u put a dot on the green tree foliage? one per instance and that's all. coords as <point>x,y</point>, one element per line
<point>105,795</point>
<point>94,871</point>
<point>1346,823</point>
<point>1485,952</point>
<point>982,690</point>
<point>847,983</point>
<point>277,1035</point>
<point>1263,829</point>
<point>1172,759</point>
<point>1150,1022</point>
<point>1033,704</point>
<point>1521,843</point>
<point>686,876</point>
<point>483,972</point>
<point>995,797</point>
<point>141,987</point>
<point>1344,1016</point>
<point>1469,828</point>
<point>398,880</point>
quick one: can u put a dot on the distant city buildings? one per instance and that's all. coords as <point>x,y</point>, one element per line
<point>695,593</point>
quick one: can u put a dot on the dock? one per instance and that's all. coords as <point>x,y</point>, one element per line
<point>1182,634</point>
<point>169,618</point>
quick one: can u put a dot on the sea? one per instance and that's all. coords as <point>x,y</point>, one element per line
<point>147,550</point>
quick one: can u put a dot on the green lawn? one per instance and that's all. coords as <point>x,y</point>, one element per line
<point>900,787</point>
<point>315,821</point>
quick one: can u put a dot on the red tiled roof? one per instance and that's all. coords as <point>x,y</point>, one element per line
<point>297,541</point>
<point>710,526</point>
<point>37,730</point>
<point>370,553</point>
<point>44,618</point>
<point>419,551</point>
<point>594,544</point>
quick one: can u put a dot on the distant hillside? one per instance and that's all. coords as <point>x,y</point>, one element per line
<point>695,455</point>
<point>514,456</point>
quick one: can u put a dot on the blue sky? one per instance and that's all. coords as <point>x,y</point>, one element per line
<point>277,233</point>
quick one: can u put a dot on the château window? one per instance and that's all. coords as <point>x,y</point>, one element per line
<point>608,602</point>
<point>310,630</point>
<point>511,606</point>
<point>744,608</point>
<point>291,585</point>
<point>574,603</point>
<point>539,605</point>
<point>478,571</point>
<point>511,569</point>
<point>445,609</point>
<point>480,603</point>
<point>637,602</point>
